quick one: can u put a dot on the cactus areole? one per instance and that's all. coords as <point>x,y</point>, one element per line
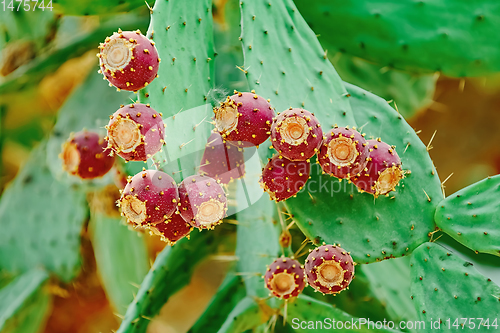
<point>136,132</point>
<point>244,118</point>
<point>128,60</point>
<point>296,134</point>
<point>203,202</point>
<point>329,269</point>
<point>343,153</point>
<point>85,155</point>
<point>150,197</point>
<point>285,278</point>
<point>383,170</point>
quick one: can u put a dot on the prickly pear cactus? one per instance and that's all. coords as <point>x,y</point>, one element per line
<point>379,250</point>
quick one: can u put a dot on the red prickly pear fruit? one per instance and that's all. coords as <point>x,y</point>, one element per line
<point>282,178</point>
<point>329,269</point>
<point>383,170</point>
<point>245,118</point>
<point>85,155</point>
<point>296,134</point>
<point>222,160</point>
<point>136,132</point>
<point>343,153</point>
<point>203,202</point>
<point>128,60</point>
<point>172,230</point>
<point>285,278</point>
<point>150,197</point>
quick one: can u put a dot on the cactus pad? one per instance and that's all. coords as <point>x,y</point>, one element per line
<point>472,216</point>
<point>285,62</point>
<point>41,220</point>
<point>24,303</point>
<point>175,265</point>
<point>229,294</point>
<point>452,37</point>
<point>440,277</point>
<point>389,226</point>
<point>121,258</point>
<point>311,311</point>
<point>246,315</point>
<point>185,35</point>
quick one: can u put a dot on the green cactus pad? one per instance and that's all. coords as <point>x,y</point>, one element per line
<point>257,244</point>
<point>472,216</point>
<point>229,294</point>
<point>257,237</point>
<point>97,7</point>
<point>359,300</point>
<point>41,221</point>
<point>121,257</point>
<point>186,137</point>
<point>306,314</point>
<point>228,46</point>
<point>390,283</point>
<point>285,62</point>
<point>246,315</point>
<point>408,92</point>
<point>373,229</point>
<point>171,272</point>
<point>183,33</point>
<point>24,303</point>
<point>453,37</point>
<point>443,287</point>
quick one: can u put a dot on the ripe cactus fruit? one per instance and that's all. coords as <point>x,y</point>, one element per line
<point>172,230</point>
<point>329,269</point>
<point>383,170</point>
<point>203,202</point>
<point>282,178</point>
<point>222,160</point>
<point>245,118</point>
<point>150,197</point>
<point>128,60</point>
<point>296,134</point>
<point>85,155</point>
<point>136,132</point>
<point>285,278</point>
<point>343,152</point>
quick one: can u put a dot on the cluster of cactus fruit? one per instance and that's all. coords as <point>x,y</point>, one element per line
<point>136,132</point>
<point>328,269</point>
<point>151,199</point>
<point>246,119</point>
